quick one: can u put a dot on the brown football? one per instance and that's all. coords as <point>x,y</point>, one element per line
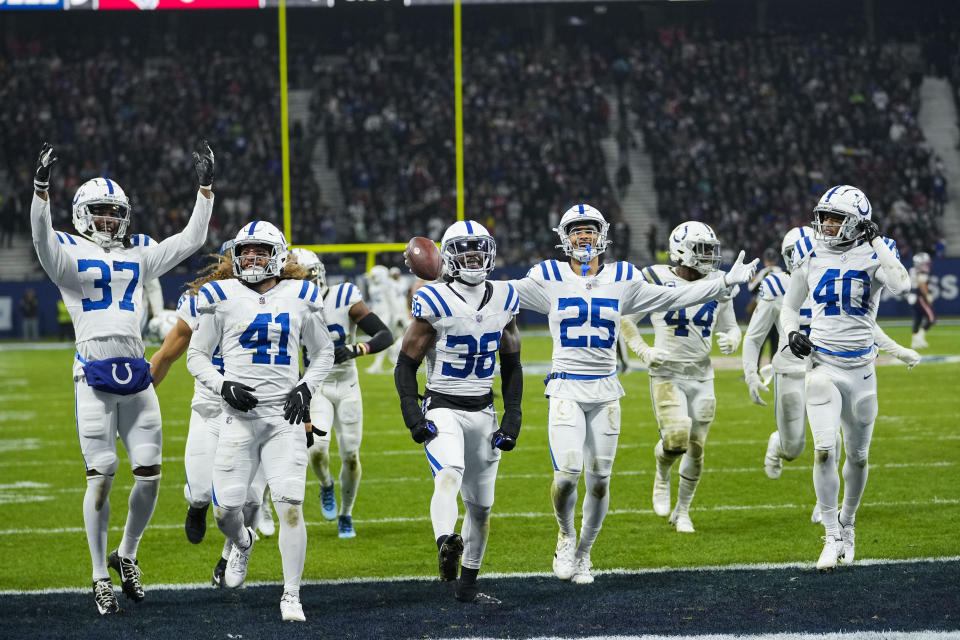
<point>423,258</point>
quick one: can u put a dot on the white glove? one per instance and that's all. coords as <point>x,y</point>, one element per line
<point>908,357</point>
<point>727,343</point>
<point>649,356</point>
<point>740,273</point>
<point>756,386</point>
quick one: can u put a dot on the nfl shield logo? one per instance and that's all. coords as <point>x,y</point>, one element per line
<point>479,317</point>
<point>229,419</point>
<point>263,300</point>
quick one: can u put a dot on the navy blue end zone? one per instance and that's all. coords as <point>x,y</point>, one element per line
<point>912,596</point>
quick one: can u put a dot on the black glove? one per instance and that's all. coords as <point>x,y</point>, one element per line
<point>203,162</point>
<point>868,230</point>
<point>503,441</point>
<point>800,344</point>
<point>41,181</point>
<point>297,407</point>
<point>348,352</point>
<point>238,395</point>
<point>423,431</point>
<point>311,432</point>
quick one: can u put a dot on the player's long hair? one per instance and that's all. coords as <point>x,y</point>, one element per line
<point>222,269</point>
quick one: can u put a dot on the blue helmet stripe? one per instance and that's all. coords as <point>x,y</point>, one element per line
<point>109,185</point>
<point>832,191</point>
<point>469,226</point>
<point>253,225</point>
<point>581,210</point>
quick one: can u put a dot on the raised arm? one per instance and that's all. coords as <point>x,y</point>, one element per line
<point>895,275</point>
<point>53,257</point>
<point>180,246</point>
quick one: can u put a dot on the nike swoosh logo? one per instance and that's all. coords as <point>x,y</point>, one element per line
<point>867,376</point>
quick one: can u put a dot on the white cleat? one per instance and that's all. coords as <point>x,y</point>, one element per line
<point>236,571</point>
<point>266,527</point>
<point>581,573</point>
<point>848,536</point>
<point>772,462</point>
<point>564,562</point>
<point>832,550</point>
<point>816,517</point>
<point>290,608</point>
<point>681,520</point>
<point>661,496</point>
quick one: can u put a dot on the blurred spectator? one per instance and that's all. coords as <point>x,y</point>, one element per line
<point>29,315</point>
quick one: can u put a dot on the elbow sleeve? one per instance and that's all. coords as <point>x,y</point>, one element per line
<point>380,336</point>
<point>511,379</point>
<point>405,378</point>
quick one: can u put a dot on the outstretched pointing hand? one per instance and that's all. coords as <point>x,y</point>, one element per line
<point>740,273</point>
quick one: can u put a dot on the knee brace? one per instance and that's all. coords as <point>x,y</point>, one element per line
<point>447,481</point>
<point>598,485</point>
<point>350,410</point>
<point>705,409</point>
<point>104,463</point>
<point>600,466</point>
<point>147,454</point>
<point>819,388</point>
<point>569,462</point>
<point>865,409</point>
<point>821,392</point>
<point>672,416</point>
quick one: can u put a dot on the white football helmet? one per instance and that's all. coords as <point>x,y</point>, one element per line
<point>311,262</point>
<point>260,232</point>
<point>921,262</point>
<point>846,201</point>
<point>582,214</point>
<point>695,245</point>
<point>101,198</point>
<point>788,246</point>
<point>161,324</point>
<point>378,275</point>
<point>469,251</point>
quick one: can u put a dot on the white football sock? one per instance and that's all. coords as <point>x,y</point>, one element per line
<point>476,530</point>
<point>826,483</point>
<point>685,490</point>
<point>596,502</point>
<point>443,504</point>
<point>854,482</point>
<point>96,520</point>
<point>319,455</point>
<point>664,461</point>
<point>143,500</point>
<point>293,543</point>
<point>350,472</point>
<point>227,546</point>
<point>251,514</point>
<point>564,495</point>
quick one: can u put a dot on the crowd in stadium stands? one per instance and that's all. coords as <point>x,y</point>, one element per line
<point>136,111</point>
<point>533,121</point>
<point>747,134</point>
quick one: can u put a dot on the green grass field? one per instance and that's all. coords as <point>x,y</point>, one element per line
<point>911,506</point>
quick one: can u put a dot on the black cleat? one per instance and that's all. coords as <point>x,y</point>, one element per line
<point>470,594</point>
<point>196,524</point>
<point>129,572</point>
<point>105,598</point>
<point>449,557</point>
<point>218,572</point>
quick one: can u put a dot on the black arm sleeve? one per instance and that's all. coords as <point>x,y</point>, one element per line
<point>405,377</point>
<point>511,385</point>
<point>380,336</point>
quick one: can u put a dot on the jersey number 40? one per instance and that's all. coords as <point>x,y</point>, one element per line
<point>825,292</point>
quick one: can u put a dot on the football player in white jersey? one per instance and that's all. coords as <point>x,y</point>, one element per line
<point>260,319</point>
<point>204,428</point>
<point>789,439</point>
<point>921,300</point>
<point>381,291</point>
<point>583,300</point>
<point>681,376</point>
<point>338,405</point>
<point>100,273</point>
<point>843,274</point>
<point>459,326</point>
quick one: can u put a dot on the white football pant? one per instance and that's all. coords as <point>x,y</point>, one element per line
<point>338,408</point>
<point>463,461</point>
